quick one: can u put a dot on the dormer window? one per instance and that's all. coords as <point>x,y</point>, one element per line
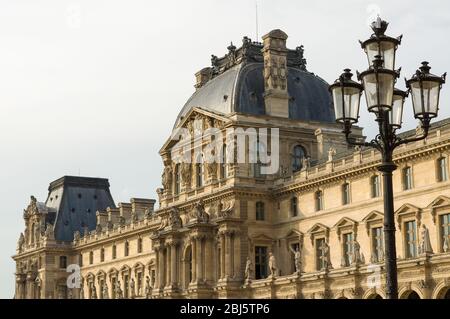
<point>298,154</point>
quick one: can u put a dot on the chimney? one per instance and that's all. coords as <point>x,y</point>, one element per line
<point>202,76</point>
<point>276,96</point>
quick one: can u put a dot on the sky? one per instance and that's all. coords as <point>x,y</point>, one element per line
<point>93,87</point>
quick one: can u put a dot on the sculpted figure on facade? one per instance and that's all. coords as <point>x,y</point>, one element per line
<point>225,209</point>
<point>425,242</point>
<point>148,287</point>
<point>167,177</point>
<point>356,257</point>
<point>199,214</point>
<point>325,256</point>
<point>93,291</point>
<point>174,219</point>
<point>185,170</point>
<point>20,242</point>
<point>105,291</point>
<point>132,288</point>
<point>272,265</point>
<point>331,154</point>
<point>248,269</point>
<point>297,259</point>
<point>118,290</point>
<point>81,288</point>
<point>49,233</point>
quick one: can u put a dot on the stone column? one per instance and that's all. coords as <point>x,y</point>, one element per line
<point>228,254</point>
<point>161,270</point>
<point>168,265</point>
<point>30,285</point>
<point>173,265</point>
<point>194,258</point>
<point>209,259</point>
<point>20,286</point>
<point>200,258</point>
<point>222,255</point>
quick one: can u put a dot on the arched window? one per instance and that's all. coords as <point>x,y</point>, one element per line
<point>375,186</point>
<point>442,172</point>
<point>294,207</point>
<point>177,179</point>
<point>298,154</point>
<point>319,200</point>
<point>260,211</point>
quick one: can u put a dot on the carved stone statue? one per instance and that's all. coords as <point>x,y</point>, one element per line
<point>148,287</point>
<point>331,153</point>
<point>306,163</point>
<point>105,291</point>
<point>297,259</point>
<point>199,213</point>
<point>325,256</point>
<point>272,265</point>
<point>185,171</point>
<point>69,293</point>
<point>425,242</point>
<point>248,269</point>
<point>174,219</point>
<point>82,288</point>
<point>225,209</point>
<point>20,242</point>
<point>76,235</point>
<point>132,288</point>
<point>167,177</point>
<point>446,246</point>
<point>211,168</point>
<point>356,256</point>
<point>49,233</point>
<point>93,291</point>
<point>118,290</point>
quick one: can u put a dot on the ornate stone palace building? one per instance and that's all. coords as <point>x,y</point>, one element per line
<point>224,230</point>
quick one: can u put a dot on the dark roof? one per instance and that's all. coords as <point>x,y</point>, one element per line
<point>237,85</point>
<point>76,201</point>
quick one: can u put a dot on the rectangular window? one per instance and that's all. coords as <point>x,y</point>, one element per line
<point>377,244</point>
<point>320,257</point>
<point>63,262</point>
<point>139,248</point>
<point>294,207</point>
<point>375,186</point>
<point>442,175</point>
<point>199,174</point>
<point>80,260</point>
<point>114,252</point>
<point>261,262</point>
<point>260,211</point>
<point>445,232</point>
<point>177,179</point>
<point>91,258</point>
<point>411,239</point>
<point>345,194</point>
<point>319,201</point>
<point>102,255</point>
<point>223,165</point>
<point>348,249</point>
<point>407,178</point>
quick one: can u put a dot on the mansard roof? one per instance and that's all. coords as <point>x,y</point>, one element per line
<point>236,84</point>
<point>76,201</point>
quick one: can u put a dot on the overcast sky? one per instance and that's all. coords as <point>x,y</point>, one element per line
<point>93,87</point>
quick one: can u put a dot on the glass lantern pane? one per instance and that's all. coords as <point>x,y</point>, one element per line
<point>386,50</point>
<point>395,115</point>
<point>378,87</point>
<point>428,106</point>
<point>337,101</point>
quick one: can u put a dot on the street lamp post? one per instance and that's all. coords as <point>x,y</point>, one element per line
<point>386,102</point>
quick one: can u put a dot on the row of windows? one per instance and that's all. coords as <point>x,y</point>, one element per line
<point>126,252</point>
<point>377,246</point>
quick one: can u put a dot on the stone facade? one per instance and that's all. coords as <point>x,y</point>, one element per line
<point>312,230</point>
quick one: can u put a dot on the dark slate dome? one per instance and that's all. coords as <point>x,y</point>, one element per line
<point>240,88</point>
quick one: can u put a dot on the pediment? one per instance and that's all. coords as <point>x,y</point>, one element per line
<point>261,237</point>
<point>373,216</point>
<point>195,119</point>
<point>317,228</point>
<point>407,209</point>
<point>440,202</point>
<point>344,222</point>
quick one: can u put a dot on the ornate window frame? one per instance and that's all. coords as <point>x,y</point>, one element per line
<point>440,206</point>
<point>343,227</point>
<point>373,220</point>
<point>407,213</point>
<point>318,231</point>
<point>439,178</point>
